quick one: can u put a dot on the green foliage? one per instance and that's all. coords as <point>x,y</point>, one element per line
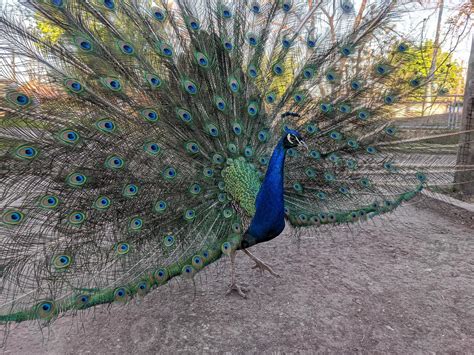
<point>50,32</point>
<point>447,74</point>
<point>280,84</point>
<point>277,84</point>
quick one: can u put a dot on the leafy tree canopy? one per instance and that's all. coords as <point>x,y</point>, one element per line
<point>448,72</point>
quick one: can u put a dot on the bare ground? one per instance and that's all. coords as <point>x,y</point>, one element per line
<point>402,284</point>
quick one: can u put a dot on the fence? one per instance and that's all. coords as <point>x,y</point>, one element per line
<point>445,114</point>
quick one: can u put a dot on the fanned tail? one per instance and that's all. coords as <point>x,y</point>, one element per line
<point>133,146</point>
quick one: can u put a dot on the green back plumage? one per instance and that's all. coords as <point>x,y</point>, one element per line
<point>158,120</point>
<point>242,183</point>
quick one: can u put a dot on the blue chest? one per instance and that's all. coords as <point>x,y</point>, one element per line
<point>269,219</point>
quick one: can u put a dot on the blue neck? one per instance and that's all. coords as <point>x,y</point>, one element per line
<point>269,219</point>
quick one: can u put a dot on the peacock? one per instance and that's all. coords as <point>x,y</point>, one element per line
<point>144,140</point>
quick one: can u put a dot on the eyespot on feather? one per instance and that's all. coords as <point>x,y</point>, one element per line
<point>159,14</point>
<point>149,114</point>
<point>49,202</point>
<point>61,261</point>
<point>68,136</point>
<point>25,152</point>
<point>102,203</point>
<point>18,99</point>
<point>130,190</point>
<point>12,217</point>
<point>106,125</point>
<point>73,86</point>
<point>76,180</point>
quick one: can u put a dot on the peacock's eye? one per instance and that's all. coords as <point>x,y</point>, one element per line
<point>289,137</point>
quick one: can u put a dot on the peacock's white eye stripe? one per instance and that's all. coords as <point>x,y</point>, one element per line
<point>289,136</point>
<point>299,142</point>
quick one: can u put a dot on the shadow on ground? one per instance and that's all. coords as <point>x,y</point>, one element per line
<point>384,286</point>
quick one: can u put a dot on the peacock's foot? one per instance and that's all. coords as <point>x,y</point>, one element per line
<point>260,264</point>
<point>239,289</point>
<point>264,267</point>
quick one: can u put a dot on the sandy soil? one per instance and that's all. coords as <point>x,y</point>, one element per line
<point>384,286</point>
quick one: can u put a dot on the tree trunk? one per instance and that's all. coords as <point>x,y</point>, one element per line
<point>429,87</point>
<point>464,177</point>
<point>359,14</point>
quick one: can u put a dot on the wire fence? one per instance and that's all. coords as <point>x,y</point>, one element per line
<point>445,115</point>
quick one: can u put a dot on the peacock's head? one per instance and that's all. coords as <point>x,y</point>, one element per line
<point>292,139</point>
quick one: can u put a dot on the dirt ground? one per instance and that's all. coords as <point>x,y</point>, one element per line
<point>385,286</point>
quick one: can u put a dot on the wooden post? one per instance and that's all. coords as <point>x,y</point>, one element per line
<point>464,177</point>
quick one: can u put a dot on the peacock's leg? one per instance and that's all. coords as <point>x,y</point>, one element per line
<point>260,264</point>
<point>233,284</point>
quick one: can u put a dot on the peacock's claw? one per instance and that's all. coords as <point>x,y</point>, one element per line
<point>264,267</point>
<point>236,287</point>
